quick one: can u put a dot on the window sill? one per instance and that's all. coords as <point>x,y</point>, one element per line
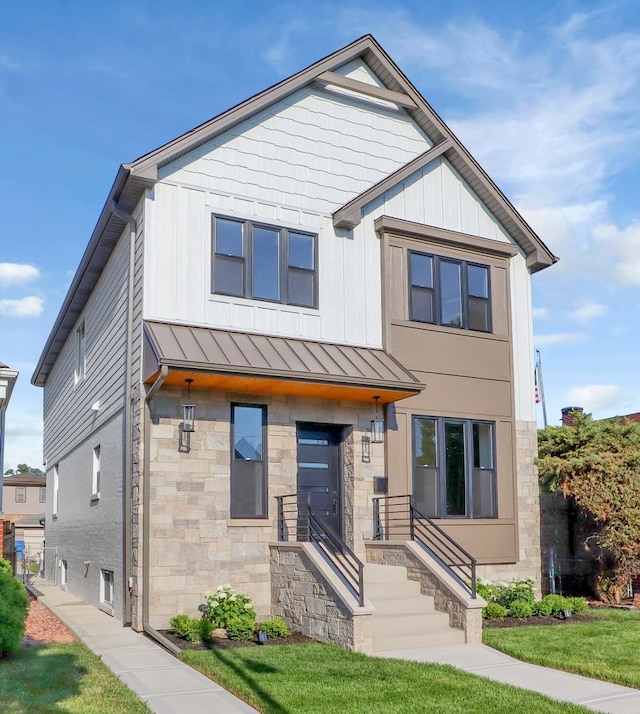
<point>450,330</point>
<point>248,523</point>
<point>95,497</point>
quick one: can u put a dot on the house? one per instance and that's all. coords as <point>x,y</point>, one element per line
<point>8,379</point>
<point>297,352</point>
<point>24,497</point>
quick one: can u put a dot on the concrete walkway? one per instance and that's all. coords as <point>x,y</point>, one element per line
<point>487,662</point>
<point>167,685</point>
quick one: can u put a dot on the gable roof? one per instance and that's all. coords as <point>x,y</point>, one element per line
<point>132,179</point>
<point>28,479</point>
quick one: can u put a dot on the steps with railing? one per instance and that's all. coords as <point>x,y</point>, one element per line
<point>397,518</point>
<point>297,522</point>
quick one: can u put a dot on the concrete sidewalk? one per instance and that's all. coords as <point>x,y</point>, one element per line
<point>563,686</point>
<point>167,685</point>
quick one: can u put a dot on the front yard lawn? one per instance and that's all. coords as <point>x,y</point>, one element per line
<point>608,648</point>
<point>62,678</point>
<point>315,678</point>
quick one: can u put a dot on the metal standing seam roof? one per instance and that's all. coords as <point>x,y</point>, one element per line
<point>184,346</point>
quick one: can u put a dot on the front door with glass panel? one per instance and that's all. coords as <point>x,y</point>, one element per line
<point>319,473</point>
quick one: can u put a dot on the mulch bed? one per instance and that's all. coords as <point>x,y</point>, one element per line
<point>43,627</point>
<point>536,620</point>
<point>218,643</point>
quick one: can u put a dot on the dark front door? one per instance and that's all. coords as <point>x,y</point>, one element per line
<point>319,473</point>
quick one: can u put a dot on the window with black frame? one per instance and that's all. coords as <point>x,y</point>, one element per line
<point>264,262</point>
<point>248,461</point>
<point>452,293</point>
<point>454,473</point>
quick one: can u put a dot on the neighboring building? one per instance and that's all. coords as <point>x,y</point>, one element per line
<point>8,378</point>
<point>320,256</point>
<point>24,495</point>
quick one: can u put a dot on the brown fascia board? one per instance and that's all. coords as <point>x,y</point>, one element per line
<point>538,254</point>
<point>371,90</point>
<point>95,257</point>
<point>148,164</point>
<point>349,215</point>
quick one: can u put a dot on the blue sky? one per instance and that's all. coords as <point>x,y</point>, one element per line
<point>546,95</point>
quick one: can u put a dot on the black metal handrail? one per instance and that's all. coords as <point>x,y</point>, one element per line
<point>297,522</point>
<point>397,518</point>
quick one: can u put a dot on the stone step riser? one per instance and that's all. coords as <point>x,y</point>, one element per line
<point>399,625</point>
<point>405,642</point>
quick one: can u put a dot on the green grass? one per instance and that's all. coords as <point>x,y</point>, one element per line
<point>56,678</point>
<point>317,678</point>
<point>607,649</point>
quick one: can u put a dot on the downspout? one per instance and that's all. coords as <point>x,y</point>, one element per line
<point>128,421</point>
<point>146,491</point>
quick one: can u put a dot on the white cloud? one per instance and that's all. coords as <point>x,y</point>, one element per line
<point>622,246</point>
<point>559,338</point>
<point>596,396</point>
<point>540,313</point>
<point>588,312</point>
<point>17,273</point>
<point>30,306</point>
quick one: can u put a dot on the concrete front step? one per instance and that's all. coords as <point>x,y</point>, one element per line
<point>374,573</point>
<point>422,605</point>
<point>405,642</point>
<point>392,591</point>
<point>402,624</point>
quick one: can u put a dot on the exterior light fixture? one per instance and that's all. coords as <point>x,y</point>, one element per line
<point>377,426</point>
<point>187,426</point>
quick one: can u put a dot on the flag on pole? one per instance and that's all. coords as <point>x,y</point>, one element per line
<point>535,382</point>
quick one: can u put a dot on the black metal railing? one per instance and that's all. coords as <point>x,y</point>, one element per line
<point>297,522</point>
<point>397,518</point>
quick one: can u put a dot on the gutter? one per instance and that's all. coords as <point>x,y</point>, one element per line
<point>146,491</point>
<point>127,579</point>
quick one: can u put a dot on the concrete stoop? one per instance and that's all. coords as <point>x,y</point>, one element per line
<point>404,618</point>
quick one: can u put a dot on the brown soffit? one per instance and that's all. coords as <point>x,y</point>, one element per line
<point>387,224</point>
<point>371,90</point>
<point>351,213</point>
<point>184,347</point>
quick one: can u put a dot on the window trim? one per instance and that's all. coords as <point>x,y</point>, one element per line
<point>284,233</point>
<point>437,291</point>
<point>23,491</point>
<point>469,465</point>
<point>43,494</point>
<point>264,461</point>
<point>107,605</point>
<point>56,490</point>
<point>95,473</point>
<point>80,371</point>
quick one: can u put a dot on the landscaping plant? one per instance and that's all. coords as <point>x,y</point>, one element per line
<point>13,613</point>
<point>225,604</point>
<point>240,627</point>
<point>275,627</point>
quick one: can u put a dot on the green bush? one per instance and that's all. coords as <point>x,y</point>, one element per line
<point>558,603</point>
<point>494,611</point>
<point>517,591</point>
<point>225,604</point>
<point>14,603</point>
<point>274,627</point>
<point>542,608</point>
<point>487,590</point>
<point>578,605</point>
<point>206,628</point>
<point>520,609</point>
<point>240,627</point>
<point>190,628</point>
<point>180,625</point>
<point>5,567</point>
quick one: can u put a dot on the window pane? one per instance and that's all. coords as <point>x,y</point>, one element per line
<point>266,264</point>
<point>450,290</point>
<point>483,446</point>
<point>455,469</point>
<point>479,314</point>
<point>421,270</point>
<point>228,275</point>
<point>248,490</point>
<point>301,287</point>
<point>247,433</point>
<point>478,278</point>
<point>229,237</point>
<point>484,497</point>
<point>301,251</point>
<point>424,442</point>
<point>425,491</point>
<point>421,305</point>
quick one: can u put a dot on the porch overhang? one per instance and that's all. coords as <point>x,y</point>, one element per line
<point>263,364</point>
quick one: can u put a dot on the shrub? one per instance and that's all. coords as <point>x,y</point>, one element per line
<point>520,609</point>
<point>494,611</point>
<point>225,604</point>
<point>240,627</point>
<point>517,591</point>
<point>180,625</point>
<point>487,590</point>
<point>14,603</point>
<point>542,608</point>
<point>190,628</point>
<point>578,605</point>
<point>557,603</point>
<point>274,627</point>
<point>5,567</point>
<point>206,628</point>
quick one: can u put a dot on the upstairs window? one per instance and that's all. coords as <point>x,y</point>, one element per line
<point>95,479</point>
<point>81,357</point>
<point>448,292</point>
<point>21,494</point>
<point>56,485</point>
<point>264,262</point>
<point>43,494</point>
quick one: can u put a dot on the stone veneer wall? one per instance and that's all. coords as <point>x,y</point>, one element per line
<point>464,614</point>
<point>194,546</point>
<point>528,510</point>
<point>304,598</point>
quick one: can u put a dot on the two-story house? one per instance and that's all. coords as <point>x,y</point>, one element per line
<point>8,379</point>
<point>299,341</point>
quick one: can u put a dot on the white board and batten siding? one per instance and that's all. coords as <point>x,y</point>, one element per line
<point>68,417</point>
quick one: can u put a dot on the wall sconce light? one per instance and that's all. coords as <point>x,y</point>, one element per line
<point>187,426</point>
<point>377,426</point>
